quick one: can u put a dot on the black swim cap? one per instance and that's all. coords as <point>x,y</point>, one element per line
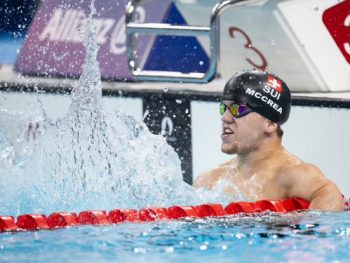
<point>266,94</point>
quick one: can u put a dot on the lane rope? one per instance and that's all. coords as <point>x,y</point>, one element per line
<point>56,220</point>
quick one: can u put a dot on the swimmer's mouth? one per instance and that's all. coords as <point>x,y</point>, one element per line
<point>227,131</point>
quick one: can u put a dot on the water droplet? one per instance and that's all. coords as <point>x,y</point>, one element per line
<point>140,250</point>
<point>203,247</point>
<point>273,42</point>
<point>169,249</point>
<point>239,235</point>
<point>165,89</point>
<point>316,8</point>
<point>178,101</point>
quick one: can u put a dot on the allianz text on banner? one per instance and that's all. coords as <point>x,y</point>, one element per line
<point>54,45</point>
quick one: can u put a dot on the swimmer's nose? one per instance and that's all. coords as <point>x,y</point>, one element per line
<point>227,117</point>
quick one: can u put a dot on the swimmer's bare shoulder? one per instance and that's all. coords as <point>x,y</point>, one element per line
<point>307,181</point>
<point>209,178</point>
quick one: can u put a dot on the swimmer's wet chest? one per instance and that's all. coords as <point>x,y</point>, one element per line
<point>262,185</point>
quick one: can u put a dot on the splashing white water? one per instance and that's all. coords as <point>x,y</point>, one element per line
<point>88,159</point>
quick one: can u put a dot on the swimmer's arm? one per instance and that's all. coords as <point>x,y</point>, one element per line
<point>308,182</point>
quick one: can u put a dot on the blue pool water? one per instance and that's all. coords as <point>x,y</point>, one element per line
<point>295,237</point>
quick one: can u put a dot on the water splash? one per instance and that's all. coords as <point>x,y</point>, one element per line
<point>88,159</point>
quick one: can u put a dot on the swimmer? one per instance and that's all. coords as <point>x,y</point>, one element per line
<point>253,106</point>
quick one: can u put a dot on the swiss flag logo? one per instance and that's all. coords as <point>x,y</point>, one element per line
<point>274,83</point>
<point>337,21</point>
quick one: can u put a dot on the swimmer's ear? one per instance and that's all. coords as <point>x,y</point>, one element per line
<point>270,126</point>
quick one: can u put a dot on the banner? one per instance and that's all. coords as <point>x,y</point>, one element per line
<point>54,44</point>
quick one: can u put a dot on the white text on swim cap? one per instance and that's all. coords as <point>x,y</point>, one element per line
<point>265,99</point>
<point>273,92</point>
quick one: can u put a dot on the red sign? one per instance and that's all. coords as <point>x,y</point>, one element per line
<point>337,21</point>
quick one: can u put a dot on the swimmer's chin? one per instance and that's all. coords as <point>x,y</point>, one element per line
<point>228,150</point>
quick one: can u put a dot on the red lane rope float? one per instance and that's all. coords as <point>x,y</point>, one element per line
<point>93,217</point>
<point>209,210</point>
<point>240,207</point>
<point>153,214</point>
<point>176,212</point>
<point>31,222</point>
<point>62,219</point>
<point>7,223</point>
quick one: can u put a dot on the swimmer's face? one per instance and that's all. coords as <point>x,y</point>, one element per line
<point>241,135</point>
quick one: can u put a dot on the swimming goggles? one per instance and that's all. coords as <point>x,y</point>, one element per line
<point>237,110</point>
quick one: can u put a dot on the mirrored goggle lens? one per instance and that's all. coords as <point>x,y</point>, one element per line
<point>235,109</point>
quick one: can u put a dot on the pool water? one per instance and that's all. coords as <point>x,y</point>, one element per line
<point>294,237</point>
